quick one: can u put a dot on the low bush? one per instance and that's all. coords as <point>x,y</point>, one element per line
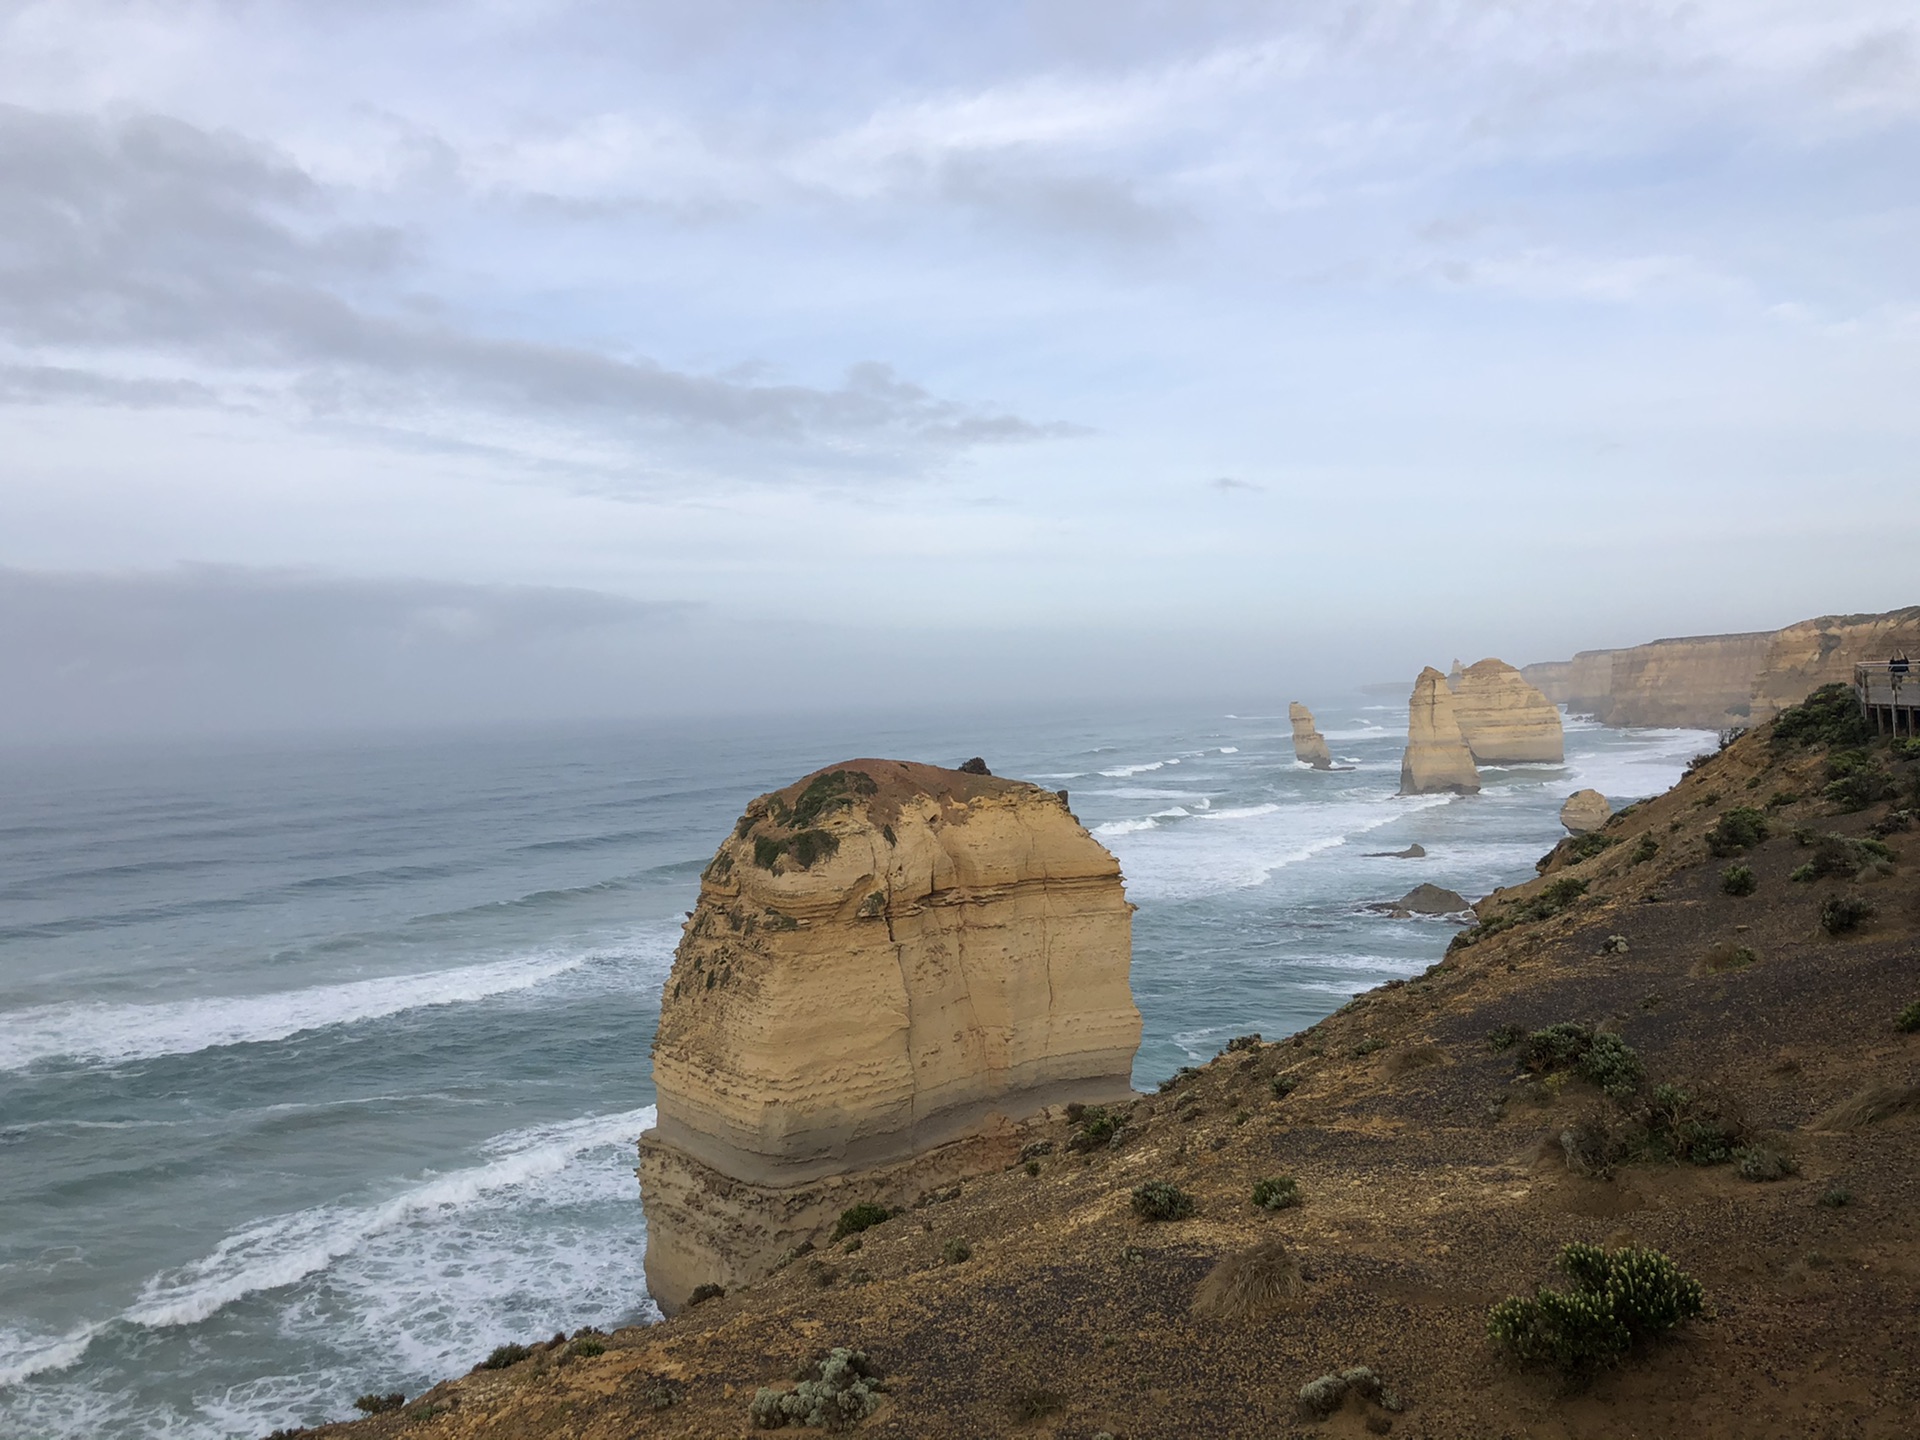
<point>1617,1298</point>
<point>1841,913</point>
<point>1585,847</point>
<point>1250,1284</point>
<point>1836,1197</point>
<point>1283,1086</point>
<point>1550,901</point>
<point>839,1391</point>
<point>1829,716</point>
<point>955,1252</point>
<point>1594,1144</point>
<point>1740,829</point>
<point>1738,880</point>
<point>504,1355</point>
<point>1858,790</point>
<point>1907,1022</point>
<point>588,1346</point>
<point>1780,799</point>
<point>1242,1042</point>
<point>1320,1398</point>
<point>1161,1200</point>
<point>1644,849</point>
<point>703,1293</point>
<point>1098,1127</point>
<point>1898,822</point>
<point>1281,1192</point>
<point>1599,1057</point>
<point>1032,1167</point>
<point>1371,1045</point>
<point>1505,1037</point>
<point>1724,955</point>
<point>864,1216</point>
<point>1698,1128</point>
<point>1031,1403</point>
<point>1763,1162</point>
<point>380,1404</point>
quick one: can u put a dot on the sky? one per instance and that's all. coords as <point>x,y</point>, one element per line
<point>405,362</point>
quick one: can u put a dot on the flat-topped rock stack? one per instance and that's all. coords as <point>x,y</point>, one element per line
<point>1504,720</point>
<point>1309,745</point>
<point>890,965</point>
<point>1437,758</point>
<point>1585,812</point>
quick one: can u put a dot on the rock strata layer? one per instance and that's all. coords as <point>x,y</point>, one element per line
<point>1585,812</point>
<point>889,967</point>
<point>1437,758</point>
<point>1309,745</point>
<point>1505,720</point>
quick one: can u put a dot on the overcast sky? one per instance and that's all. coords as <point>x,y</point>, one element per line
<point>522,357</point>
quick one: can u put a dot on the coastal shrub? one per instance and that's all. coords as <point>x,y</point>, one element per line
<point>1031,1403</point>
<point>1763,1162</point>
<point>1699,1128</point>
<point>380,1404</point>
<point>1836,1197</point>
<point>1841,913</point>
<point>1250,1284</point>
<point>838,1391</point>
<point>588,1346</point>
<point>1551,900</point>
<point>1505,1037</point>
<point>1738,880</point>
<point>1098,1127</point>
<point>1780,799</point>
<point>1168,1085</point>
<point>1829,716</point>
<point>1897,822</point>
<point>1032,1167</point>
<point>1644,849</point>
<point>662,1393</point>
<point>1907,1022</point>
<point>1594,1143</point>
<point>1368,1046</point>
<point>1280,1192</point>
<point>1161,1200</point>
<point>835,790</point>
<point>1741,828</point>
<point>1616,1298</point>
<point>1725,955</point>
<point>1858,790</point>
<point>1585,847</point>
<point>1242,1042</point>
<point>956,1252</point>
<point>1283,1086</point>
<point>1599,1057</point>
<point>705,1292</point>
<point>863,1216</point>
<point>1320,1398</point>
<point>505,1355</point>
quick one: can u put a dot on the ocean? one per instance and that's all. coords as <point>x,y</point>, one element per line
<point>321,1062</point>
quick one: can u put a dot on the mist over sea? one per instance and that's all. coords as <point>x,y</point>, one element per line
<point>321,1063</point>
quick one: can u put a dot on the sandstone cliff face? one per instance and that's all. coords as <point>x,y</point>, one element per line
<point>1585,812</point>
<point>1702,682</point>
<point>1504,719</point>
<point>1437,757</point>
<point>889,964</point>
<point>1309,745</point>
<point>1803,657</point>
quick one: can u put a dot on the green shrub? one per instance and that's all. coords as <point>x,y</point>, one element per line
<point>1283,1086</point>
<point>1505,1037</point>
<point>1763,1162</point>
<point>1551,900</point>
<point>863,1216</point>
<point>1725,955</point>
<point>1281,1192</point>
<point>380,1404</point>
<point>505,1355</point>
<point>587,1346</point>
<point>839,1391</point>
<point>1829,716</point>
<point>1368,1046</point>
<point>1242,1042</point>
<point>1741,828</point>
<point>1738,880</point>
<point>1841,913</point>
<point>1836,1197</point>
<point>1617,1298</point>
<point>1585,847</point>
<point>1858,790</point>
<point>1320,1398</point>
<point>1644,849</point>
<point>1031,1403</point>
<point>1032,1167</point>
<point>1600,1058</point>
<point>1098,1127</point>
<point>1908,1020</point>
<point>703,1293</point>
<point>1780,799</point>
<point>1159,1200</point>
<point>956,1252</point>
<point>1699,1129</point>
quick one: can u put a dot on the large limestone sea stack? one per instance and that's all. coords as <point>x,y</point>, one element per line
<point>889,966</point>
<point>1504,719</point>
<point>1437,758</point>
<point>1309,745</point>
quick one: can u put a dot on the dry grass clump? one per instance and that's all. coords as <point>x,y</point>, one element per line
<point>1412,1057</point>
<point>1869,1106</point>
<point>1251,1284</point>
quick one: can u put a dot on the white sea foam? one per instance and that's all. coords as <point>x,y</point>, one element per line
<point>1229,749</point>
<point>22,1354</point>
<point>1125,827</point>
<point>112,1034</point>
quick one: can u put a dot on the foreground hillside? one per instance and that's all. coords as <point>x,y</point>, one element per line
<point>1729,1083</point>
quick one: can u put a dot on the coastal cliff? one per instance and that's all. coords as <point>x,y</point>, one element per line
<point>1504,720</point>
<point>1437,758</point>
<point>889,965</point>
<point>1309,745</point>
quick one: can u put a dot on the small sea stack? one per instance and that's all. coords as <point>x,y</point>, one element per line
<point>1309,745</point>
<point>890,966</point>
<point>1504,720</point>
<point>1437,758</point>
<point>1585,812</point>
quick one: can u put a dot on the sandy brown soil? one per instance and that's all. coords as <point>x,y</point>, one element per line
<point>1433,1183</point>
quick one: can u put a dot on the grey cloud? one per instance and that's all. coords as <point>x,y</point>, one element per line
<point>40,384</point>
<point>1227,485</point>
<point>151,234</point>
<point>1078,205</point>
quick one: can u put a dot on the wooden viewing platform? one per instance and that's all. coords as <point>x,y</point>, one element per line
<point>1889,697</point>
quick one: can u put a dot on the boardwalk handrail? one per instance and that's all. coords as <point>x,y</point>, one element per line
<point>1889,695</point>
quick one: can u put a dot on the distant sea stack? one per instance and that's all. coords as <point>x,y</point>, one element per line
<point>1437,758</point>
<point>1504,719</point>
<point>889,965</point>
<point>1309,745</point>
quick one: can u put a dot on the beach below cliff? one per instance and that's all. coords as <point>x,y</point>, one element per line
<point>321,1065</point>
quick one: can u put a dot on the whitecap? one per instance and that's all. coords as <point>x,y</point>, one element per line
<point>1121,772</point>
<point>1126,827</point>
<point>35,1354</point>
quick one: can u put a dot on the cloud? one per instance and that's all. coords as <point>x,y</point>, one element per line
<point>1227,485</point>
<point>157,243</point>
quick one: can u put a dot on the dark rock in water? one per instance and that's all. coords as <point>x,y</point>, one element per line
<point>1424,900</point>
<point>1412,852</point>
<point>975,766</point>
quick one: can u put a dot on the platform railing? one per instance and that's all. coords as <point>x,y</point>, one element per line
<point>1889,693</point>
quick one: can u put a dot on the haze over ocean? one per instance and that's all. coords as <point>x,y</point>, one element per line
<point>321,1063</point>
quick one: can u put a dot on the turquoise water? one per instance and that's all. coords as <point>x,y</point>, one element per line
<point>321,1064</point>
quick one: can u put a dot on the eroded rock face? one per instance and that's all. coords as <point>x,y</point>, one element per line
<point>1504,719</point>
<point>1700,682</point>
<point>1437,758</point>
<point>889,966</point>
<point>1803,657</point>
<point>1309,745</point>
<point>1585,812</point>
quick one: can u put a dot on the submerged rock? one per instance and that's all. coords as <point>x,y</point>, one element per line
<point>1504,720</point>
<point>1425,900</point>
<point>889,965</point>
<point>1412,852</point>
<point>1309,745</point>
<point>1585,812</point>
<point>1437,758</point>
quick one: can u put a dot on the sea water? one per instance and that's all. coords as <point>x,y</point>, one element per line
<point>321,1064</point>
